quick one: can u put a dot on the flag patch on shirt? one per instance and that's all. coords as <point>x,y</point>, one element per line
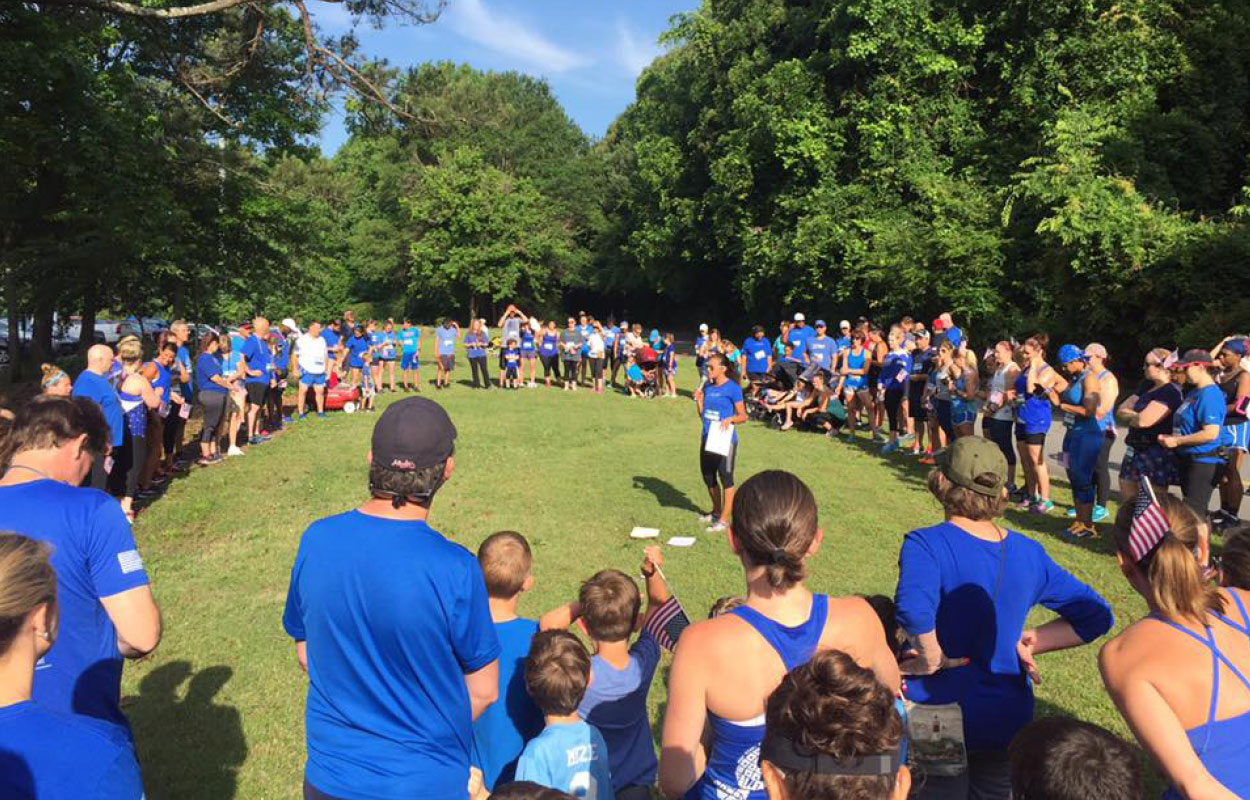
<point>130,561</point>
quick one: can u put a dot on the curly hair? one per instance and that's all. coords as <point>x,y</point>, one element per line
<point>835,707</point>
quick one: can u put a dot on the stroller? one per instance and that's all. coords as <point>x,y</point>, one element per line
<point>649,362</point>
<point>783,377</point>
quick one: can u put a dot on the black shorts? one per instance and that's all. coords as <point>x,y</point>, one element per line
<point>915,401</point>
<point>1036,439</point>
<point>715,466</point>
<point>757,377</point>
<point>256,393</point>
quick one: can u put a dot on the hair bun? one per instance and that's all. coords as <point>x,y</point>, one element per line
<point>779,555</point>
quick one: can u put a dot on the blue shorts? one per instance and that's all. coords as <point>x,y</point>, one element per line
<point>357,363</point>
<point>963,412</point>
<point>307,379</point>
<point>1082,449</point>
<point>1155,462</point>
<point>409,361</point>
<point>1240,436</point>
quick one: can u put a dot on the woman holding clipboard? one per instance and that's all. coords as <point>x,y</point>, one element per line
<point>721,406</point>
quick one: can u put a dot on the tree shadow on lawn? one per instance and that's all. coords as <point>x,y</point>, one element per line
<point>666,494</point>
<point>189,748</point>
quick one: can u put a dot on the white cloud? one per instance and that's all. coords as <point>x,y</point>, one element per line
<point>633,55</point>
<point>472,20</point>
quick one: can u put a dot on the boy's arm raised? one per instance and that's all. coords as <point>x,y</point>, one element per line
<point>559,618</point>
<point>657,588</point>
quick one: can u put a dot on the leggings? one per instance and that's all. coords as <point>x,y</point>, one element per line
<point>998,431</point>
<point>893,405</point>
<point>128,463</point>
<point>478,364</point>
<point>214,405</point>
<point>171,436</point>
<point>1198,482</point>
<point>570,371</point>
<point>596,368</point>
<point>942,408</point>
<point>551,366</point>
<point>1103,475</point>
<point>1082,449</point>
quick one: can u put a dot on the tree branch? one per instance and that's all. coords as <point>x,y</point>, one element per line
<point>173,12</point>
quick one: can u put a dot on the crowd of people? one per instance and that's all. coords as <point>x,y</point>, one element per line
<point>782,692</point>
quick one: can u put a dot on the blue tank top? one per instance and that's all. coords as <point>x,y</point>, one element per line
<point>1107,421</point>
<point>135,412</point>
<point>162,382</point>
<point>527,343</point>
<point>1223,746</point>
<point>548,347</point>
<point>1073,396</point>
<point>1034,413</point>
<point>733,762</point>
<point>855,362</point>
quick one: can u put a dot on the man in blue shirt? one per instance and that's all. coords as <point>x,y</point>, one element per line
<point>258,367</point>
<point>799,336</point>
<point>107,612</point>
<point>409,364</point>
<point>445,338</point>
<point>843,342</point>
<point>333,334</point>
<point>92,385</point>
<point>821,349</point>
<point>758,354</point>
<point>392,623</point>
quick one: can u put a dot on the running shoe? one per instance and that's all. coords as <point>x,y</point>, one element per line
<point>1015,494</point>
<point>717,527</point>
<point>1222,520</point>
<point>1026,504</point>
<point>301,417</point>
<point>287,420</point>
<point>1079,530</point>
<point>259,439</point>
<point>928,460</point>
<point>890,447</point>
<point>321,415</point>
<point>1100,513</point>
<point>907,438</point>
<point>235,451</point>
<point>707,519</point>
<point>1071,514</point>
<point>877,436</point>
<point>1043,507</point>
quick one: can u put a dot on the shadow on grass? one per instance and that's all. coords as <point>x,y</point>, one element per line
<point>188,748</point>
<point>666,494</point>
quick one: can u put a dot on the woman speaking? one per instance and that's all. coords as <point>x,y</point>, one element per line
<point>720,403</point>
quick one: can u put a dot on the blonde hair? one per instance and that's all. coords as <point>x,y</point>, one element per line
<point>130,350</point>
<point>1177,586</point>
<point>27,580</point>
<point>505,559</point>
<point>52,374</point>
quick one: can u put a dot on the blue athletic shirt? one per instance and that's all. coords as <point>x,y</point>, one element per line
<point>500,733</point>
<point>446,341</point>
<point>527,344</point>
<point>718,404</point>
<point>207,366</point>
<point>842,343</point>
<point>955,336</point>
<point>799,338</point>
<point>94,555</point>
<point>757,352</point>
<point>977,595</point>
<point>282,359</point>
<point>699,341</point>
<point>475,345</point>
<point>96,387</point>
<point>616,704</point>
<point>54,756</point>
<point>895,369</point>
<point>409,339</point>
<point>1033,417</point>
<point>549,346</point>
<point>394,616</point>
<point>570,757</point>
<point>163,381</point>
<point>820,349</point>
<point>183,357</point>
<point>512,357</point>
<point>357,346</point>
<point>332,338</point>
<point>258,358</point>
<point>1202,407</point>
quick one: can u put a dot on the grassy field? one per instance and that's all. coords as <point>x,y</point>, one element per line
<point>218,710</point>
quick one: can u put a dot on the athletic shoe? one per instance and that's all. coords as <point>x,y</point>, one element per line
<point>321,415</point>
<point>890,447</point>
<point>1100,513</point>
<point>707,519</point>
<point>1015,494</point>
<point>235,451</point>
<point>1071,513</point>
<point>928,460</point>
<point>717,527</point>
<point>1043,507</point>
<point>287,420</point>
<point>260,439</point>
<point>1079,530</point>
<point>877,436</point>
<point>907,438</point>
<point>1025,505</point>
<point>301,417</point>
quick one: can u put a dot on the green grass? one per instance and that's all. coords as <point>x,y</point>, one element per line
<point>218,710</point>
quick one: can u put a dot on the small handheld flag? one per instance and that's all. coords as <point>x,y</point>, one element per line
<point>667,622</point>
<point>1149,524</point>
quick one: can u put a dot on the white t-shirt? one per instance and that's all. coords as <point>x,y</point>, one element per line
<point>311,352</point>
<point>595,345</point>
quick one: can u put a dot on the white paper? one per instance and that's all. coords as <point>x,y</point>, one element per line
<point>719,441</point>
<point>681,541</point>
<point>184,410</point>
<point>644,533</point>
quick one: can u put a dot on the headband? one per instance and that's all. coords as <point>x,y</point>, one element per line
<point>53,378</point>
<point>785,754</point>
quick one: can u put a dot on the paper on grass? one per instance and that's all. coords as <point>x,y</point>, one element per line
<point>719,441</point>
<point>644,533</point>
<point>681,541</point>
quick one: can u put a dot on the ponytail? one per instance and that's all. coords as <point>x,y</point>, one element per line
<point>774,524</point>
<point>1178,588</point>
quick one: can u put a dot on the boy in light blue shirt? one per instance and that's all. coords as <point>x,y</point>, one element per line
<point>569,755</point>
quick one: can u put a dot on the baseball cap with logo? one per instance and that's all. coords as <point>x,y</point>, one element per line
<point>976,464</point>
<point>413,434</point>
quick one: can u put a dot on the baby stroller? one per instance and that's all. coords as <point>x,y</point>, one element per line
<point>649,362</point>
<point>782,378</point>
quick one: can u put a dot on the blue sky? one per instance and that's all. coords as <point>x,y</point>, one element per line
<point>590,52</point>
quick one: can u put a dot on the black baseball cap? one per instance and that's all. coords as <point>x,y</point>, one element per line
<point>413,434</point>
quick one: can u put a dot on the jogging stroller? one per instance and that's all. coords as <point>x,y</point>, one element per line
<point>649,362</point>
<point>783,377</point>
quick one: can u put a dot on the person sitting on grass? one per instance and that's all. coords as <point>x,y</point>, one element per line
<point>831,731</point>
<point>608,609</point>
<point>50,755</point>
<point>800,402</point>
<point>569,754</point>
<point>500,734</point>
<point>634,378</point>
<point>1061,758</point>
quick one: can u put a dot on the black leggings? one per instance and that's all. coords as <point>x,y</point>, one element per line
<point>570,371</point>
<point>596,368</point>
<point>1102,474</point>
<point>551,366</point>
<point>1198,482</point>
<point>478,364</point>
<point>894,405</point>
<point>717,467</point>
<point>214,405</point>
<point>128,463</point>
<point>998,431</point>
<point>171,437</point>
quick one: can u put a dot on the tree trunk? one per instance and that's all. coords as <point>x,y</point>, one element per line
<point>472,306</point>
<point>90,301</point>
<point>10,297</point>
<point>41,334</point>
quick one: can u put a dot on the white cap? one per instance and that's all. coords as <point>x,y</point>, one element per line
<point>846,323</point>
<point>290,323</point>
<point>798,317</point>
<point>703,326</point>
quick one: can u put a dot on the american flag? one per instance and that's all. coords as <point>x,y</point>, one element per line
<point>667,622</point>
<point>1149,525</point>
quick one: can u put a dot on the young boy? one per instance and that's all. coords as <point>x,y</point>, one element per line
<point>569,754</point>
<point>512,365</point>
<point>607,609</point>
<point>502,730</point>
<point>1060,758</point>
<point>634,378</point>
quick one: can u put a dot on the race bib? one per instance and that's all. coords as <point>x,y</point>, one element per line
<point>163,411</point>
<point>184,411</point>
<point>1069,419</point>
<point>760,355</point>
<point>1129,453</point>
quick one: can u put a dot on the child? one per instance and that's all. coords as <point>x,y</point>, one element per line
<point>502,730</point>
<point>529,356</point>
<point>512,365</point>
<point>669,359</point>
<point>367,386</point>
<point>634,378</point>
<point>1060,758</point>
<point>607,609</point>
<point>569,754</point>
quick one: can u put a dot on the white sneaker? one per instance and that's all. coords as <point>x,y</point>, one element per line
<point>707,519</point>
<point>531,385</point>
<point>717,527</point>
<point>235,451</point>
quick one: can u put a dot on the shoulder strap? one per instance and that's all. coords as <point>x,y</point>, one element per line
<point>1244,628</point>
<point>794,646</point>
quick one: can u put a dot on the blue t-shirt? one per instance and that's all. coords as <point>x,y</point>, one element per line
<point>799,337</point>
<point>183,358</point>
<point>475,345</point>
<point>615,703</point>
<point>394,616</point>
<point>446,341</point>
<point>842,343</point>
<point>410,339</point>
<point>512,357</point>
<point>384,343</point>
<point>500,733</point>
<point>757,352</point>
<point>208,366</point>
<point>357,346</point>
<point>1202,407</point>
<point>977,595</point>
<point>96,387</point>
<point>718,403</point>
<point>54,756</point>
<point>282,359</point>
<point>894,370</point>
<point>257,354</point>
<point>699,341</point>
<point>570,757</point>
<point>94,555</point>
<point>634,373</point>
<point>331,338</point>
<point>820,349</point>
